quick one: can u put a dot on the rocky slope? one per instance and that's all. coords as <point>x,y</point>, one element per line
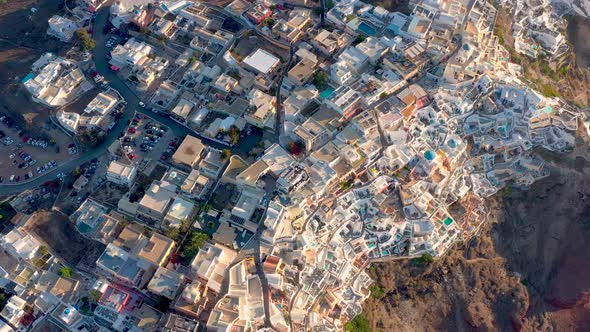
<point>529,270</point>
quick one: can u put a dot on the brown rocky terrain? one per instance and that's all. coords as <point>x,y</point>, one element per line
<point>529,270</point>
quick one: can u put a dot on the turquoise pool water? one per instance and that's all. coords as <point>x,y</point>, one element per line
<point>28,78</point>
<point>367,29</point>
<point>84,229</point>
<point>326,93</point>
<point>448,221</point>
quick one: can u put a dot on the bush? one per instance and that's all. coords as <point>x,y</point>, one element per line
<point>172,232</point>
<point>320,79</point>
<point>66,272</point>
<point>377,292</point>
<point>359,324</point>
<point>196,241</point>
<point>43,250</point>
<point>85,40</point>
<point>426,258</point>
<point>545,68</point>
<point>359,39</point>
<point>549,91</point>
<point>234,135</point>
<point>346,185</point>
<point>225,154</point>
<point>94,295</point>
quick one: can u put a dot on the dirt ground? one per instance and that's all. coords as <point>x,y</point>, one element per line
<point>245,47</point>
<point>23,38</point>
<point>109,194</point>
<point>528,271</point>
<point>578,31</point>
<point>64,240</point>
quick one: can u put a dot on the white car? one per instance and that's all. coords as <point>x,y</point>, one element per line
<point>142,104</point>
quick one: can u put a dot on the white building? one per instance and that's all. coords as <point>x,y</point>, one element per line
<point>261,62</point>
<point>372,48</point>
<point>340,73</point>
<point>56,81</point>
<point>103,103</point>
<point>19,243</point>
<point>132,53</point>
<point>120,173</point>
<point>62,28</point>
<point>179,212</point>
<point>70,121</point>
<point>354,59</point>
<point>212,263</point>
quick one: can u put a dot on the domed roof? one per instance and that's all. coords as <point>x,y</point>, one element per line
<point>429,155</point>
<point>452,143</point>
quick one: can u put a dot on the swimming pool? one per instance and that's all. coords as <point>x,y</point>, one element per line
<point>448,221</point>
<point>367,29</point>
<point>326,93</point>
<point>27,78</point>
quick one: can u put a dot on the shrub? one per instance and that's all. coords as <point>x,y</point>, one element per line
<point>320,79</point>
<point>426,258</point>
<point>225,154</point>
<point>66,272</point>
<point>85,40</point>
<point>377,292</point>
<point>359,324</point>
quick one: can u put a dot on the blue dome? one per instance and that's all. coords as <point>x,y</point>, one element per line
<point>466,47</point>
<point>429,155</point>
<point>452,144</point>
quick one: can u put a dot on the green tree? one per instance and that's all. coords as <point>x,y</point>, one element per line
<point>77,172</point>
<point>269,21</point>
<point>359,324</point>
<point>426,258</point>
<point>345,185</point>
<point>320,79</point>
<point>85,39</point>
<point>196,241</point>
<point>172,232</point>
<point>66,272</point>
<point>94,295</point>
<point>377,291</point>
<point>234,135</point>
<point>225,154</point>
<point>359,39</point>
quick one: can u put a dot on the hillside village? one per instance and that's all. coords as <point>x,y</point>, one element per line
<point>248,161</point>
